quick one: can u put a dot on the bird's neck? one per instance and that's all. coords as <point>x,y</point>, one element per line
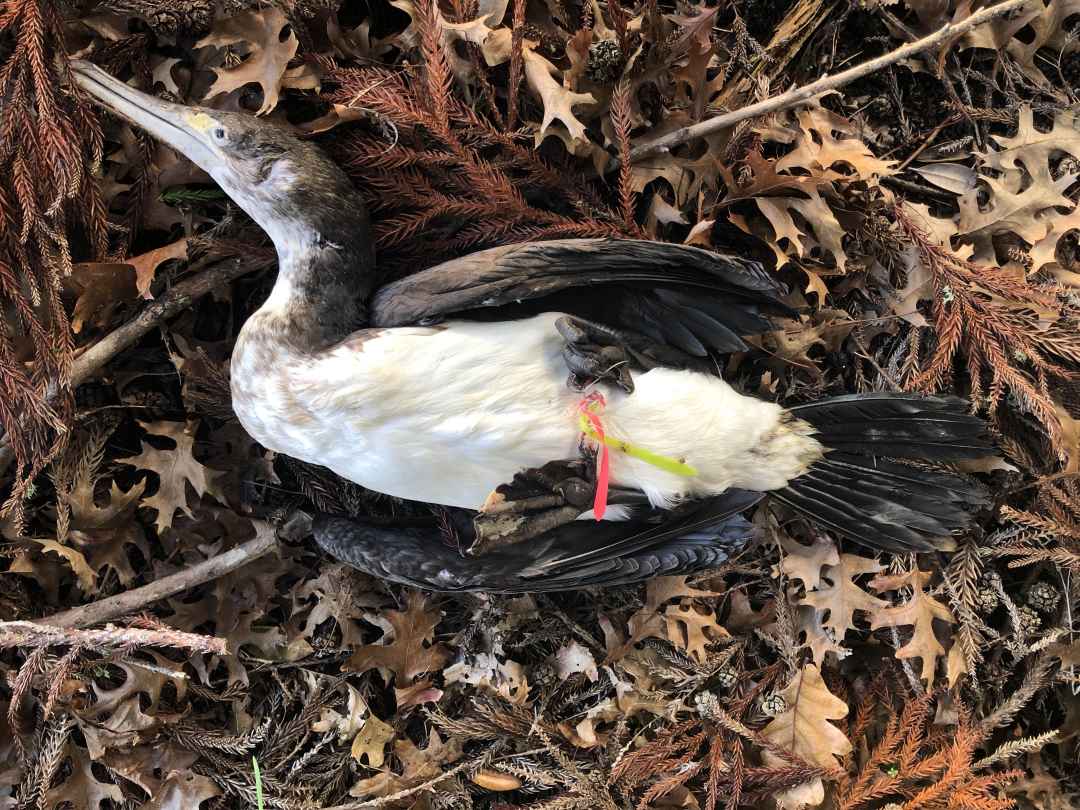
<point>322,288</point>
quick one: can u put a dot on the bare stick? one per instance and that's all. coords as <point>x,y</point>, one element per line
<point>798,95</point>
<point>402,794</point>
<point>177,299</point>
<point>134,600</point>
<point>32,634</point>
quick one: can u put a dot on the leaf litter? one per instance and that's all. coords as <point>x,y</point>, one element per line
<point>926,219</point>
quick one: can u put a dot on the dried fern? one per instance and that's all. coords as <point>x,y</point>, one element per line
<point>912,762</point>
<point>992,320</point>
<point>49,145</point>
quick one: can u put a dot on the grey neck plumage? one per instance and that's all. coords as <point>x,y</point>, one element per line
<point>326,268</point>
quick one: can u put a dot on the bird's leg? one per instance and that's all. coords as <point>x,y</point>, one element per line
<point>535,501</point>
<point>594,352</point>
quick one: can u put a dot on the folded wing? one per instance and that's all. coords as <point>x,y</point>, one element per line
<point>685,300</point>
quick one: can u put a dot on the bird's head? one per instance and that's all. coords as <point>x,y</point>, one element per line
<point>288,186</point>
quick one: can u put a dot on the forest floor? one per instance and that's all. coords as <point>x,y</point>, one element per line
<point>924,217</point>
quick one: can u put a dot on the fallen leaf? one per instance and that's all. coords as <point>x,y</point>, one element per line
<point>75,559</point>
<point>818,147</point>
<point>821,640</point>
<point>804,728</point>
<point>647,621</point>
<point>418,765</point>
<point>409,650</point>
<point>81,790</point>
<point>693,631</point>
<point>919,611</point>
<point>162,73</point>
<point>182,790</point>
<point>371,742</point>
<point>840,596</point>
<point>270,53</point>
<point>176,468</point>
<point>146,264</point>
<point>1069,446</point>
<point>417,694</point>
<point>558,101</point>
<point>340,593</point>
<point>805,563</point>
<point>100,288</point>
<point>87,515</point>
<point>954,177</point>
<point>573,658</point>
<point>125,726</point>
<point>495,780</point>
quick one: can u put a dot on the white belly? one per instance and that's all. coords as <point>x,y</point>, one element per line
<point>445,414</point>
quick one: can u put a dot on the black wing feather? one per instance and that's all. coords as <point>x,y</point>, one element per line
<point>697,536</point>
<point>632,285</point>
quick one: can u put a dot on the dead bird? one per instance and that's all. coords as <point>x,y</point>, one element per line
<point>450,387</point>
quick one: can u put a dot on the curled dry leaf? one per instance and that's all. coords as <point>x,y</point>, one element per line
<point>147,264</point>
<point>73,557</point>
<point>100,289</point>
<point>919,612</point>
<point>495,780</point>
<point>573,658</point>
<point>410,651</point>
<point>558,101</point>
<point>176,469</point>
<point>804,729</point>
<point>272,43</point>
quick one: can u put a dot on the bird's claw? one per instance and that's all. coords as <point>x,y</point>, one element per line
<point>536,501</point>
<point>594,353</point>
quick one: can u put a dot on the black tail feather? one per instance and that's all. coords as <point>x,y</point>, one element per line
<point>885,504</point>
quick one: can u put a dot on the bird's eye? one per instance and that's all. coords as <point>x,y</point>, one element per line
<point>219,134</point>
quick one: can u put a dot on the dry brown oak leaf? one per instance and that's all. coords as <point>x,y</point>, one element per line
<point>176,469</point>
<point>805,563</point>
<point>366,733</point>
<point>919,611</point>
<point>804,729</point>
<point>410,652</point>
<point>843,596</point>
<point>272,43</point>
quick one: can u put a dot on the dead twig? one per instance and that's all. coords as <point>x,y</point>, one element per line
<point>134,600</point>
<point>177,299</point>
<point>798,95</point>
<point>32,634</point>
<point>403,794</point>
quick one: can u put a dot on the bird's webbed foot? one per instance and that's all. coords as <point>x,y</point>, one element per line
<point>536,501</point>
<point>594,353</point>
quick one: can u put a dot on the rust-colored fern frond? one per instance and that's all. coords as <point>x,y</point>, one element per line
<point>1047,531</point>
<point>48,137</point>
<point>517,61</point>
<point>621,122</point>
<point>992,321</point>
<point>712,749</point>
<point>451,180</point>
<point>909,761</point>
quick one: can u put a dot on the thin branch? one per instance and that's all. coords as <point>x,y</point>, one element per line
<point>32,634</point>
<point>134,600</point>
<point>177,299</point>
<point>402,794</point>
<point>800,94</point>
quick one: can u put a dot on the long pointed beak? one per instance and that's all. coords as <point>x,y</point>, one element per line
<point>185,129</point>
